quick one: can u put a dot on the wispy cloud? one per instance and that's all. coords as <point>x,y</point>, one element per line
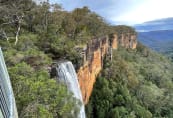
<point>123,11</point>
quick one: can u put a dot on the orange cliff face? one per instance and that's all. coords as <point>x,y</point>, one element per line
<point>89,71</point>
<point>93,59</point>
<point>87,75</point>
<point>133,41</point>
<point>115,42</point>
<point>124,40</point>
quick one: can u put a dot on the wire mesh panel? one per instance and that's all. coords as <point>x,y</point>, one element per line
<point>7,101</point>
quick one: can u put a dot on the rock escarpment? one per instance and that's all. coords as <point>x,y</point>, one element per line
<point>93,55</point>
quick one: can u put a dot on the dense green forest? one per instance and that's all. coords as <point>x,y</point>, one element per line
<point>137,83</point>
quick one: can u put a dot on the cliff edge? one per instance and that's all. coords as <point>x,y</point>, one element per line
<point>93,55</point>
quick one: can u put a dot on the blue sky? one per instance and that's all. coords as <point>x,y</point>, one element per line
<point>127,12</point>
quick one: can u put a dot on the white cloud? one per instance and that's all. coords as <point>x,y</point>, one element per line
<point>124,11</point>
<point>149,10</point>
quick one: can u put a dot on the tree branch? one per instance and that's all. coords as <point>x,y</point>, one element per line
<point>5,35</point>
<point>18,29</point>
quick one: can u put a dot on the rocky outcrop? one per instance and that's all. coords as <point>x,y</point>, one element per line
<point>93,55</point>
<point>126,40</point>
<point>114,43</point>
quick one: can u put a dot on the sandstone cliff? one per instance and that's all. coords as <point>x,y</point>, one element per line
<point>93,56</point>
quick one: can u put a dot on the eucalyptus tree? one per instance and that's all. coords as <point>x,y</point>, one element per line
<point>12,13</point>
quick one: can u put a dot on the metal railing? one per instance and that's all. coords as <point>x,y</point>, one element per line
<point>7,101</point>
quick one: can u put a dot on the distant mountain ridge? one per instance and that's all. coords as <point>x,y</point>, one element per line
<point>160,24</point>
<point>166,20</point>
<point>161,41</point>
<point>157,35</point>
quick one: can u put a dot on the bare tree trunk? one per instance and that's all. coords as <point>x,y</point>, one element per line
<point>17,34</point>
<point>19,20</point>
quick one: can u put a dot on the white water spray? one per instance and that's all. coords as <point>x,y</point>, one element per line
<point>66,73</point>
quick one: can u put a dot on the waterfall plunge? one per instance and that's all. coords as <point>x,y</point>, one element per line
<point>66,73</point>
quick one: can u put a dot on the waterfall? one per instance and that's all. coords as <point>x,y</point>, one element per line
<point>66,73</point>
<point>7,101</point>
